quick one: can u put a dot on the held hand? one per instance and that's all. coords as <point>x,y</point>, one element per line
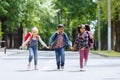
<point>72,48</point>
<point>20,47</point>
<point>48,47</point>
<point>82,48</point>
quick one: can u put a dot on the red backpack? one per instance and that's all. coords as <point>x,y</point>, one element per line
<point>26,37</point>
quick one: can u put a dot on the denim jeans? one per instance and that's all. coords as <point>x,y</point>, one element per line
<point>60,56</point>
<point>33,48</point>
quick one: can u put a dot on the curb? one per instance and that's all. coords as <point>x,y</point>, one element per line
<point>99,54</point>
<point>12,52</point>
<point>103,55</point>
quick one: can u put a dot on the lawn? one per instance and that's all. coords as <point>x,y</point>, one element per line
<point>106,53</point>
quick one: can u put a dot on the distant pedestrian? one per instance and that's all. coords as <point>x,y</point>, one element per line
<point>32,42</point>
<point>82,41</point>
<point>58,41</point>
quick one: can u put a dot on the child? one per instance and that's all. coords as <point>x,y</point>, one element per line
<point>33,46</point>
<point>83,45</point>
<point>58,41</point>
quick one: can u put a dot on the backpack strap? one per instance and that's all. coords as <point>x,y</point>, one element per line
<point>90,34</point>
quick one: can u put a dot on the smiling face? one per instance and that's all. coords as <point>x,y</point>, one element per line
<point>34,33</point>
<point>82,29</point>
<point>60,30</point>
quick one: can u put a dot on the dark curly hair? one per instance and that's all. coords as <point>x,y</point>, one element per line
<point>60,26</point>
<point>87,27</point>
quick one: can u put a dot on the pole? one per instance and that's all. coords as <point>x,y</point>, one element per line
<point>99,33</point>
<point>109,25</point>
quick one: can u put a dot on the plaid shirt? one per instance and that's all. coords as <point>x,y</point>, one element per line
<point>82,40</point>
<point>60,42</point>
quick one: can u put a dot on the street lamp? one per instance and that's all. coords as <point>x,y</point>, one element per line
<point>109,25</point>
<point>98,23</point>
<point>99,33</point>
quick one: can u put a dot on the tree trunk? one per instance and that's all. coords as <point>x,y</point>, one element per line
<point>113,35</point>
<point>117,31</point>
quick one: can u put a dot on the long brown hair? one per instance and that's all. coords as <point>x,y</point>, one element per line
<point>79,27</point>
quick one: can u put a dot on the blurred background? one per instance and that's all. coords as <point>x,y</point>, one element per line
<point>17,17</point>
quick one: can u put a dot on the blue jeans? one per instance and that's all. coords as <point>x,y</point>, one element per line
<point>60,56</point>
<point>33,48</point>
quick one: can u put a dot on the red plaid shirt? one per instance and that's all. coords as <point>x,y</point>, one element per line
<point>60,42</point>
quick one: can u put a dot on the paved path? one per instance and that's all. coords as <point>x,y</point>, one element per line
<point>14,67</point>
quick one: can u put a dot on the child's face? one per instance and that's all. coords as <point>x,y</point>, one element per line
<point>34,32</point>
<point>60,30</point>
<point>82,29</point>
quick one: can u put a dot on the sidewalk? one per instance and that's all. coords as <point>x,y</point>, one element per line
<point>11,52</point>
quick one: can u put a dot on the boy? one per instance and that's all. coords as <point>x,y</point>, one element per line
<point>58,41</point>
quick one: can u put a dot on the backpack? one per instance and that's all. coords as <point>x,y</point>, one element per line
<point>91,38</point>
<point>26,37</point>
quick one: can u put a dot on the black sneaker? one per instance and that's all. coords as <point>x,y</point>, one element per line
<point>58,67</point>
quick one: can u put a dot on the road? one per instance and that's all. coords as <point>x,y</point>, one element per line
<point>14,67</point>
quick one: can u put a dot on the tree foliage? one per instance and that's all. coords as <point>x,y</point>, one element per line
<point>46,15</point>
<point>115,20</point>
<point>76,11</point>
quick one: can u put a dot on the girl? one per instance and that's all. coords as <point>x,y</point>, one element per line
<point>83,45</point>
<point>33,46</point>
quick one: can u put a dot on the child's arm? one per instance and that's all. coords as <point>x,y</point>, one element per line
<point>24,43</point>
<point>69,43</point>
<point>52,38</point>
<point>42,42</point>
<point>76,42</point>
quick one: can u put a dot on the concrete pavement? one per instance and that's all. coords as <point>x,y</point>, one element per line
<point>14,67</point>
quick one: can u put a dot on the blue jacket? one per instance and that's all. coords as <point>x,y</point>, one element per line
<point>54,38</point>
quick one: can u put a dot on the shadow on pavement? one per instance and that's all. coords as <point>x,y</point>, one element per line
<point>77,71</point>
<point>52,70</point>
<point>25,70</point>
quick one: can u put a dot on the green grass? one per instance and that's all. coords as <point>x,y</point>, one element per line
<point>107,53</point>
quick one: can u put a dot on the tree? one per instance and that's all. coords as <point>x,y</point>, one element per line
<point>75,12</point>
<point>115,15</point>
<point>16,14</point>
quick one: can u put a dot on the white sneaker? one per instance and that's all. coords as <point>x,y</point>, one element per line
<point>28,67</point>
<point>62,67</point>
<point>35,68</point>
<point>85,63</point>
<point>82,69</point>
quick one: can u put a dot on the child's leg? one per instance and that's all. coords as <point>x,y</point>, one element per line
<point>57,58</point>
<point>62,54</point>
<point>86,52</point>
<point>35,57</point>
<point>30,55</point>
<point>81,52</point>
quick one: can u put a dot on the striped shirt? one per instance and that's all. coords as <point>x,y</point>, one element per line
<point>82,40</point>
